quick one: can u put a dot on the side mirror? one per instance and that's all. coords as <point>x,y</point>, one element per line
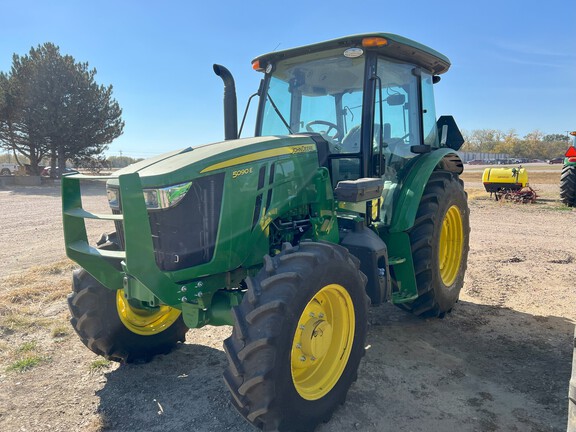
<point>450,135</point>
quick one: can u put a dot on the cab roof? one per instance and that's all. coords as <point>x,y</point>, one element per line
<point>397,47</point>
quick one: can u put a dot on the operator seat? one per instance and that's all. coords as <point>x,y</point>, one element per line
<point>351,142</point>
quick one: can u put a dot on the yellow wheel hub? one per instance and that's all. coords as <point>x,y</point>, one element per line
<point>451,244</point>
<point>322,342</point>
<point>145,322</point>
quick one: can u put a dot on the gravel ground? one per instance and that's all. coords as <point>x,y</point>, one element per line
<point>499,362</point>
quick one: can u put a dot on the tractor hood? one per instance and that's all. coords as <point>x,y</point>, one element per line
<point>186,164</point>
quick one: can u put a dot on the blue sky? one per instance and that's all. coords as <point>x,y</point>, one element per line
<point>513,62</point>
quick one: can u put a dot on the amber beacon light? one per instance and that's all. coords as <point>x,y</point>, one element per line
<point>374,42</point>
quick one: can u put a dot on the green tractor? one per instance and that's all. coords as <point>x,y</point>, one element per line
<point>349,194</point>
<point>568,177</point>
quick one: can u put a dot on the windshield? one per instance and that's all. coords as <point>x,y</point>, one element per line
<point>319,92</point>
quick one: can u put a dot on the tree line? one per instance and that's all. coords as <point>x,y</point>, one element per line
<point>535,145</point>
<point>51,107</point>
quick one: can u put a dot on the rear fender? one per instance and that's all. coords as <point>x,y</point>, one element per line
<point>405,207</point>
<point>408,200</point>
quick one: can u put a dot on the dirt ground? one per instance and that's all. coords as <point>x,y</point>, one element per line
<point>499,362</point>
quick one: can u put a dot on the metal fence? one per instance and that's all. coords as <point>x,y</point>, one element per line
<point>488,157</point>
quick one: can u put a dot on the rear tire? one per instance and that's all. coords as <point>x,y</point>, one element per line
<point>568,185</point>
<point>5,172</point>
<point>440,243</point>
<point>97,320</point>
<point>298,337</point>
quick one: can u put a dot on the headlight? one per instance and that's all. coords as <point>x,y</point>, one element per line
<point>113,198</point>
<point>166,197</point>
<point>151,198</point>
<point>155,199</point>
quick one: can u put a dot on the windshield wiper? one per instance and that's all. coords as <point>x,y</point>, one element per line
<point>279,114</point>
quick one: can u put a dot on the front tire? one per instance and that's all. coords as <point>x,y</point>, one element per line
<point>440,242</point>
<point>109,326</point>
<point>568,185</point>
<point>298,337</point>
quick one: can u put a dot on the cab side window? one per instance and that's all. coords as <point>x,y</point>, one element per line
<point>400,106</point>
<point>430,131</point>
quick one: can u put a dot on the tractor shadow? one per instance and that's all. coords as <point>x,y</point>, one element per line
<point>481,368</point>
<point>182,390</point>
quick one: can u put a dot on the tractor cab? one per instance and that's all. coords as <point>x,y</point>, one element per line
<point>370,97</point>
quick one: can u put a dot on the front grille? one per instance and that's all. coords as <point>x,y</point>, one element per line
<point>185,235</point>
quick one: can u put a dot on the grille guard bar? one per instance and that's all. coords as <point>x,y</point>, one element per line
<point>137,274</point>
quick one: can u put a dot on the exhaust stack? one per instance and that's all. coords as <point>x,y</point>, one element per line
<point>230,110</point>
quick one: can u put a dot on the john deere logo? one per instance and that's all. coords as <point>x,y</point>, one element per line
<point>303,149</point>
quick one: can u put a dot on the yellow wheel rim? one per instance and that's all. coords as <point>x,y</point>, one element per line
<point>145,322</point>
<point>451,244</point>
<point>322,342</point>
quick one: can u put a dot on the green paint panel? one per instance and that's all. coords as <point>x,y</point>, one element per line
<point>266,182</point>
<point>412,187</point>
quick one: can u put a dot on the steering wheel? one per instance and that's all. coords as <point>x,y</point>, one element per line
<point>337,135</point>
<point>405,136</point>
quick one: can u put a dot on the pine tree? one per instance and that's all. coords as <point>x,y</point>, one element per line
<point>51,106</point>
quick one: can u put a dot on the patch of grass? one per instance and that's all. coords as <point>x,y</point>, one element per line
<point>536,178</point>
<point>58,295</point>
<point>41,276</point>
<point>64,266</point>
<point>559,207</point>
<point>35,293</point>
<point>32,306</point>
<point>15,280</point>
<point>477,194</point>
<point>29,294</point>
<point>99,364</point>
<point>4,347</point>
<point>60,331</point>
<point>24,295</point>
<point>25,364</point>
<point>19,322</point>
<point>27,347</point>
